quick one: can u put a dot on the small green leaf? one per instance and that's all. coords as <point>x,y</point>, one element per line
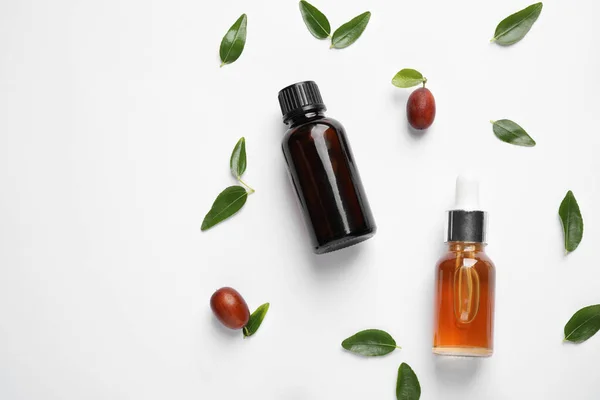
<point>256,318</point>
<point>228,202</point>
<point>407,77</point>
<point>572,221</point>
<point>583,324</point>
<point>316,22</point>
<point>514,27</point>
<point>370,343</point>
<point>234,41</point>
<point>348,33</point>
<point>510,132</point>
<point>407,385</point>
<point>237,163</point>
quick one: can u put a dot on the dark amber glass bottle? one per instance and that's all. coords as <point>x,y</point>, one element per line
<point>465,282</point>
<point>323,172</point>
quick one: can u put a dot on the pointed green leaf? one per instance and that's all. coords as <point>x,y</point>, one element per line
<point>583,324</point>
<point>237,163</point>
<point>370,343</point>
<point>348,33</point>
<point>407,385</point>
<point>510,132</point>
<point>256,319</point>
<point>316,22</point>
<point>234,41</point>
<point>228,202</point>
<point>514,27</point>
<point>407,77</point>
<point>572,221</point>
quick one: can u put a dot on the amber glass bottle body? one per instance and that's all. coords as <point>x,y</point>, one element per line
<point>327,182</point>
<point>464,302</point>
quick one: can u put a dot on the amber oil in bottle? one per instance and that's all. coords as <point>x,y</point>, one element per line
<point>465,281</point>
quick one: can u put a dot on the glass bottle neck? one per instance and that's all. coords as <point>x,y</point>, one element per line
<point>466,246</point>
<point>304,118</point>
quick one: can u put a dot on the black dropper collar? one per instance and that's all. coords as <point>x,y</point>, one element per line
<point>466,226</point>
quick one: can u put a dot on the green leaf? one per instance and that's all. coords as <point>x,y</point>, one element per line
<point>237,163</point>
<point>572,222</point>
<point>407,77</point>
<point>234,41</point>
<point>407,385</point>
<point>370,343</point>
<point>514,27</point>
<point>583,324</point>
<point>228,202</point>
<point>316,22</point>
<point>510,132</point>
<point>256,318</point>
<point>348,33</point>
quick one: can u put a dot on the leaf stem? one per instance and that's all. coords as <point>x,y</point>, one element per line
<point>245,184</point>
<point>492,121</point>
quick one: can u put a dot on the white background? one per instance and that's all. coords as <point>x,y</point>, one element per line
<point>116,127</point>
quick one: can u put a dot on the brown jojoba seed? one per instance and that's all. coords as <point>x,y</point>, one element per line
<point>230,308</point>
<point>420,109</point>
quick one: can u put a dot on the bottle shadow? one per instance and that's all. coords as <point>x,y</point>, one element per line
<point>330,262</point>
<point>456,371</point>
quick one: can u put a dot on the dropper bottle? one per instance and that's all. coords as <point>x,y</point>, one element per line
<point>465,280</point>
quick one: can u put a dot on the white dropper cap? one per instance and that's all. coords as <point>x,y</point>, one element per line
<point>466,222</point>
<point>467,193</point>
